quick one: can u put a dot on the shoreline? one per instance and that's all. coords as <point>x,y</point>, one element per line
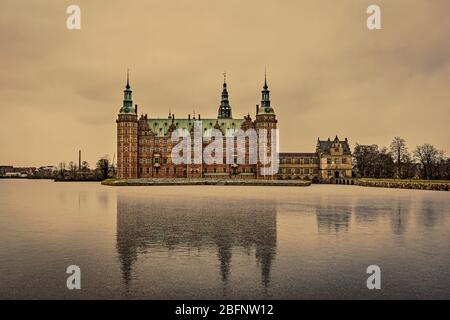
<point>433,185</point>
<point>204,182</point>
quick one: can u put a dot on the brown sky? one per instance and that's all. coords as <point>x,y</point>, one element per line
<point>60,90</point>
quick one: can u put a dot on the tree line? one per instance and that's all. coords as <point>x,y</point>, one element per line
<point>104,169</point>
<point>424,162</point>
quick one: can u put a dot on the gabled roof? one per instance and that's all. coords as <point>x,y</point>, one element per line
<point>323,146</point>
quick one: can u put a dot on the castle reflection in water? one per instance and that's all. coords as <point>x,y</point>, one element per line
<point>153,227</point>
<point>145,225</point>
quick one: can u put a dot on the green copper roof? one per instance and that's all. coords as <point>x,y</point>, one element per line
<point>161,126</point>
<point>127,110</point>
<point>265,110</point>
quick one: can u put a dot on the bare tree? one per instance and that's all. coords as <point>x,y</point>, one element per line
<point>103,167</point>
<point>409,167</point>
<point>72,169</point>
<point>400,154</point>
<point>61,169</point>
<point>84,166</point>
<point>429,158</point>
<point>372,162</point>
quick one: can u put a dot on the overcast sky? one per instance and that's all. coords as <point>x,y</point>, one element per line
<point>60,90</point>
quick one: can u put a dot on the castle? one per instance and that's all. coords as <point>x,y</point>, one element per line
<point>144,146</point>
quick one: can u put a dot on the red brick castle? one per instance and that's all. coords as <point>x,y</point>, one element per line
<point>144,146</point>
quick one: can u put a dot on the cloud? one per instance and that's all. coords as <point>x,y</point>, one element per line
<point>328,74</point>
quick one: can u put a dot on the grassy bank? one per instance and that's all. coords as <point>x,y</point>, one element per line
<point>438,185</point>
<point>208,182</point>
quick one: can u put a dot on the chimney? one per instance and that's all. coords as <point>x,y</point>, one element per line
<point>257,107</point>
<point>79,159</point>
<point>189,116</point>
<point>199,118</point>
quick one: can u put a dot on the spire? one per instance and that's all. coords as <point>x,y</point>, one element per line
<point>265,80</point>
<point>127,106</point>
<point>265,107</point>
<point>265,99</point>
<point>128,79</point>
<point>225,108</point>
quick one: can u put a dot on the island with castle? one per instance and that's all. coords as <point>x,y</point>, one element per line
<point>144,148</point>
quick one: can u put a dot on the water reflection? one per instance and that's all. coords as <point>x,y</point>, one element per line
<point>396,210</point>
<point>430,214</point>
<point>148,225</point>
<point>223,242</point>
<point>333,219</point>
<point>400,217</point>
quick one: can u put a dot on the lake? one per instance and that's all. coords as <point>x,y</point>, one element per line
<point>222,242</point>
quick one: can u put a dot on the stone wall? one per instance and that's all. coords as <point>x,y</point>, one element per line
<point>190,182</point>
<point>405,184</point>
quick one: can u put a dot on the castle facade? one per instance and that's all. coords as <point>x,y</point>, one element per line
<point>145,144</point>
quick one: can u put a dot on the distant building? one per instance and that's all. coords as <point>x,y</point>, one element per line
<point>6,169</point>
<point>11,171</point>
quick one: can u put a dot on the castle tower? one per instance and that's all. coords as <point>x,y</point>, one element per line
<point>224,108</point>
<point>127,144</point>
<point>265,119</point>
